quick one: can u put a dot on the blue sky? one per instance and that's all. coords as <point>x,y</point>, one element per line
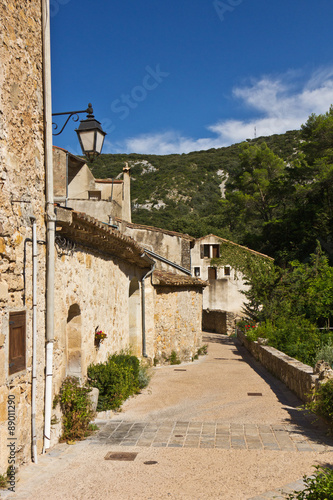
<point>185,75</point>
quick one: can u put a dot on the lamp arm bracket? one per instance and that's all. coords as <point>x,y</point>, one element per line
<point>71,114</point>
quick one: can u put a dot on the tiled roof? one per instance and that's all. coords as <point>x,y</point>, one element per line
<point>157,229</point>
<point>236,244</point>
<point>98,236</point>
<point>164,278</point>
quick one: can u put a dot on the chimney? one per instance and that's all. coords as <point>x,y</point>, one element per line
<point>126,208</point>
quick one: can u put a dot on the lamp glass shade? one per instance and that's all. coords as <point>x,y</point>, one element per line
<point>99,141</point>
<point>91,137</point>
<point>87,140</point>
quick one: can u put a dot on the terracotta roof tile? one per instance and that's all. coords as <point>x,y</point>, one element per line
<point>164,278</point>
<point>157,229</point>
<point>90,232</point>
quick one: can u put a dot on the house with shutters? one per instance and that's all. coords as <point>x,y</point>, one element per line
<point>223,299</point>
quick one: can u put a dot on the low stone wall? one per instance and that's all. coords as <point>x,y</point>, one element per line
<point>218,321</point>
<point>214,321</point>
<point>296,375</point>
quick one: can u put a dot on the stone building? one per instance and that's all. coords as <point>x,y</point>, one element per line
<point>76,187</point>
<point>223,299</point>
<point>22,179</point>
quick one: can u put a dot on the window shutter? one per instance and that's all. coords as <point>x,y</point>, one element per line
<point>201,251</point>
<point>216,251</point>
<point>17,341</point>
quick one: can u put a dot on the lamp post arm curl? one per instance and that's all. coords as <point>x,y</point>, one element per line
<point>71,114</point>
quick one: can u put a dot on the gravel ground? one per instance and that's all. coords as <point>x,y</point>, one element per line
<point>213,390</point>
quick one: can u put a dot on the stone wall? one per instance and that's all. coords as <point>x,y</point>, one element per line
<point>178,316</point>
<point>296,375</point>
<point>21,195</point>
<point>214,321</point>
<point>92,291</point>
<point>174,247</point>
<point>218,321</point>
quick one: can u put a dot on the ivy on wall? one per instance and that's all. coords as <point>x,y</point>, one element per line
<point>243,260</point>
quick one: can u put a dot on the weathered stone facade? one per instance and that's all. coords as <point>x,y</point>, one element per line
<point>178,316</point>
<point>21,196</point>
<point>173,246</point>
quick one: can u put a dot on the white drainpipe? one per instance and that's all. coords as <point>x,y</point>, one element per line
<point>34,338</point>
<point>50,222</point>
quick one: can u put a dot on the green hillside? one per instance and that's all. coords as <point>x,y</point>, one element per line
<point>273,194</point>
<point>182,192</point>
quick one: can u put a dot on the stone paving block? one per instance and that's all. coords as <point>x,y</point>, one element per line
<point>303,447</point>
<point>144,443</point>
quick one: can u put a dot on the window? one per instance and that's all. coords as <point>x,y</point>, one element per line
<point>210,251</point>
<point>17,333</point>
<point>227,271</point>
<point>197,271</point>
<point>212,273</point>
<point>94,195</point>
<point>206,251</point>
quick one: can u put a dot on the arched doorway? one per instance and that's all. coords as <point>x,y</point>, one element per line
<point>73,336</point>
<point>134,310</point>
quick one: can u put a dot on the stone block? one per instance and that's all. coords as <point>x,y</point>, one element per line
<point>3,291</point>
<point>93,396</point>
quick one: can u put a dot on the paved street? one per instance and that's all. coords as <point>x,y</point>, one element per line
<point>218,428</point>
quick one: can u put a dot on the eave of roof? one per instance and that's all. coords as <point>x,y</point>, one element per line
<point>98,236</point>
<point>157,229</point>
<point>164,278</point>
<point>236,244</point>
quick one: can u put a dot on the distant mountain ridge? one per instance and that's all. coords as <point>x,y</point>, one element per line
<point>183,192</point>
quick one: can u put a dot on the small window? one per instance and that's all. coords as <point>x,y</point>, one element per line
<point>227,271</point>
<point>197,271</point>
<point>212,273</point>
<point>17,342</point>
<point>94,195</point>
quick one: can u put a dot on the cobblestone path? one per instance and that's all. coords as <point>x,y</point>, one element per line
<point>211,435</point>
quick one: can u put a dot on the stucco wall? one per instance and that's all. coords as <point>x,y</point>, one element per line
<point>178,316</point>
<point>99,209</point>
<point>21,194</point>
<point>225,292</point>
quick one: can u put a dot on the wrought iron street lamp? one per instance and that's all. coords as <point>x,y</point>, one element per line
<point>90,133</point>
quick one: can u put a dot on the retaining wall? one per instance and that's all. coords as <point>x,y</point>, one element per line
<point>296,375</point>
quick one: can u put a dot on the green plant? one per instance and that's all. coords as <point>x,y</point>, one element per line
<point>173,359</point>
<point>118,378</point>
<point>322,402</point>
<point>325,353</point>
<point>3,481</point>
<point>202,350</point>
<point>318,487</point>
<point>76,408</point>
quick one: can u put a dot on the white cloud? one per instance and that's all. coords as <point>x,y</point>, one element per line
<point>278,104</point>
